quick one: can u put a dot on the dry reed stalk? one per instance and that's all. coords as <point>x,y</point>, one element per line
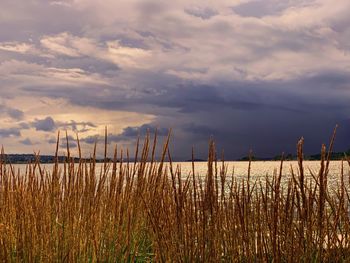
<point>149,211</point>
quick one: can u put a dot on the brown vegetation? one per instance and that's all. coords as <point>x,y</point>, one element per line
<point>144,211</point>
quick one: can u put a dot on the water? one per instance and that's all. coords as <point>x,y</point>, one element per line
<point>259,169</point>
<point>265,168</point>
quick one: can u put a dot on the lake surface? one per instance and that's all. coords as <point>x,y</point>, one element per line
<point>262,169</point>
<point>259,169</point>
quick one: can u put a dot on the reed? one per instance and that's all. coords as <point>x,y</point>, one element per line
<point>147,210</point>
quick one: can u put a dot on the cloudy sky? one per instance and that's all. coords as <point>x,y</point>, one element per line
<point>251,73</point>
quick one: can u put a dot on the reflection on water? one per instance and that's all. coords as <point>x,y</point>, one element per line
<point>259,169</point>
<point>262,169</point>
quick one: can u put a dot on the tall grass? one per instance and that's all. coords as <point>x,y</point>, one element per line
<point>147,210</point>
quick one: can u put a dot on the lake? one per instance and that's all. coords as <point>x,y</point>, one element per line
<point>259,169</point>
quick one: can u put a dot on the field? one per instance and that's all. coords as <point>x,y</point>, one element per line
<point>143,211</point>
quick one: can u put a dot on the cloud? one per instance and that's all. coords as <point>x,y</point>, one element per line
<point>24,125</point>
<point>204,13</point>
<point>129,134</point>
<point>52,140</point>
<point>225,68</point>
<point>27,141</point>
<point>259,8</point>
<point>16,47</point>
<point>11,112</point>
<point>47,124</point>
<point>200,130</point>
<point>90,139</point>
<point>67,45</point>
<point>10,132</point>
<point>232,112</point>
<point>143,130</point>
<point>63,142</point>
<point>71,144</point>
<point>88,64</point>
<point>76,126</point>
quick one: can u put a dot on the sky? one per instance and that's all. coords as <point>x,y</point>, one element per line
<point>251,74</point>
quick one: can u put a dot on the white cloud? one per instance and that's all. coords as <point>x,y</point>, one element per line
<point>61,44</point>
<point>170,40</point>
<point>61,3</point>
<point>317,13</point>
<point>127,56</point>
<point>21,73</point>
<point>16,47</point>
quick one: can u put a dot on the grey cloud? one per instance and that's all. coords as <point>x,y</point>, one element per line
<point>200,130</point>
<point>26,141</point>
<point>15,114</point>
<point>151,8</point>
<point>233,112</point>
<point>76,126</point>
<point>31,19</point>
<point>167,93</point>
<point>10,132</point>
<point>11,112</point>
<point>132,42</point>
<point>142,130</point>
<point>88,64</point>
<point>47,124</point>
<point>63,141</point>
<point>24,125</point>
<point>129,134</point>
<point>90,139</point>
<point>202,12</point>
<point>52,140</point>
<point>261,8</point>
<point>242,111</point>
<point>71,144</point>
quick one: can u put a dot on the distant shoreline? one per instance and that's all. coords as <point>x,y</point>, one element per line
<point>50,159</point>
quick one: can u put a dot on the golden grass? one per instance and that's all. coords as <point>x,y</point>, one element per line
<point>140,211</point>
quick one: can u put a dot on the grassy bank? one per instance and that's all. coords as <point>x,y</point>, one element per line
<point>141,211</point>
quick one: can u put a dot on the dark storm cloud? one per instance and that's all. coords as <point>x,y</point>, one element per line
<point>298,96</point>
<point>200,130</point>
<point>143,130</point>
<point>267,116</point>
<point>181,98</point>
<point>311,110</point>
